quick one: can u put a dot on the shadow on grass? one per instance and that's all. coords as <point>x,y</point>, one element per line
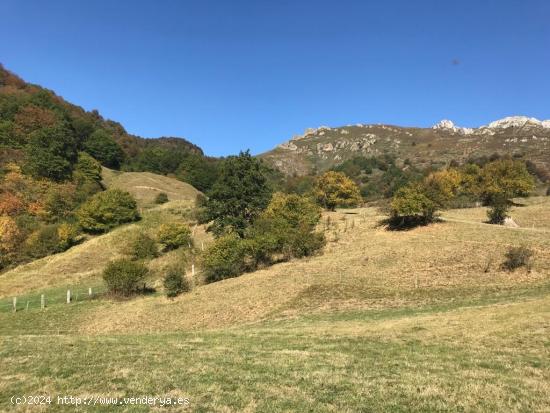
<point>407,223</point>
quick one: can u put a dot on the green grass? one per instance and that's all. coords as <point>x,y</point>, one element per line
<point>362,361</point>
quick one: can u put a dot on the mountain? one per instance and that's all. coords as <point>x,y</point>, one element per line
<point>325,147</point>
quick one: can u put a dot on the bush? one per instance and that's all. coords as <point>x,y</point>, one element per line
<point>498,212</point>
<point>334,189</point>
<point>410,207</point>
<point>143,247</point>
<point>175,282</point>
<point>286,227</point>
<point>87,169</point>
<point>225,258</point>
<point>517,257</point>
<point>106,210</point>
<point>50,239</point>
<point>174,235</point>
<point>161,198</point>
<point>66,235</point>
<point>125,277</point>
<point>548,191</point>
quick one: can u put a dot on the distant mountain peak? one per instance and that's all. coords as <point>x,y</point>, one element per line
<point>517,122</point>
<point>507,122</point>
<point>448,125</point>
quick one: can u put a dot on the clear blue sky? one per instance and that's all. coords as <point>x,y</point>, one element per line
<point>231,75</point>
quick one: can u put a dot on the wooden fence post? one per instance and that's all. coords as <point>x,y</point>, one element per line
<point>193,270</point>
<point>68,296</point>
<point>27,308</point>
<point>202,246</point>
<point>42,302</point>
<point>90,291</point>
<point>14,304</point>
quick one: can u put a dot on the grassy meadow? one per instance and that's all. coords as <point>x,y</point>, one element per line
<point>422,320</point>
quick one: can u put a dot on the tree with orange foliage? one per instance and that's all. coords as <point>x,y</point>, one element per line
<point>10,204</point>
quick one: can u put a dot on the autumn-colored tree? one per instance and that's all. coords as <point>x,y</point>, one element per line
<point>411,206</point>
<point>505,178</point>
<point>106,210</point>
<point>31,118</point>
<point>442,186</point>
<point>334,189</point>
<point>9,234</point>
<point>10,204</point>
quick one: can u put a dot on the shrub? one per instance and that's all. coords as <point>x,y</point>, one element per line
<point>285,227</point>
<point>334,189</point>
<point>10,235</point>
<point>59,202</point>
<point>498,212</point>
<point>106,210</point>
<point>161,198</point>
<point>87,169</point>
<point>66,234</point>
<point>225,258</point>
<point>125,277</point>
<point>175,282</point>
<point>296,210</point>
<point>517,257</point>
<point>174,235</point>
<point>410,207</point>
<point>548,191</point>
<point>143,247</point>
<point>50,239</point>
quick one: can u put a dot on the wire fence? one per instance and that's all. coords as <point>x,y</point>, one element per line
<point>41,301</point>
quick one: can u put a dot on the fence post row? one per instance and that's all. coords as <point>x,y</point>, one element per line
<point>69,298</point>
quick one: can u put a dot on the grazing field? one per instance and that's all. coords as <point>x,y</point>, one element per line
<point>145,186</point>
<point>422,320</point>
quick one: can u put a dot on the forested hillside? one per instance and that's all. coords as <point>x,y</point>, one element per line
<point>51,154</point>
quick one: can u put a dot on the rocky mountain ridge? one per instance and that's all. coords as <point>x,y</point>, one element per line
<point>324,147</point>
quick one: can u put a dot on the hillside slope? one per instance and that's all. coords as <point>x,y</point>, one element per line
<point>86,260</point>
<point>322,148</point>
<point>145,186</point>
<point>363,267</point>
<point>421,320</point>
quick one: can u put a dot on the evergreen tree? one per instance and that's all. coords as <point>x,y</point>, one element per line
<point>239,195</point>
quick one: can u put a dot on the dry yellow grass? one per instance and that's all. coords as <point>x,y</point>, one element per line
<point>145,186</point>
<point>534,213</point>
<point>365,267</point>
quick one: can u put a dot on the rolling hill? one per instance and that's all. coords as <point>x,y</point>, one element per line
<point>325,147</point>
<point>424,318</point>
<point>145,186</point>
